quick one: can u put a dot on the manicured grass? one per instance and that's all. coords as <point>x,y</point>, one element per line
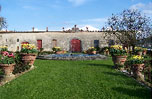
<point>53,79</point>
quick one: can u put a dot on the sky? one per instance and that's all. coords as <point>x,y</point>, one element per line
<point>22,15</point>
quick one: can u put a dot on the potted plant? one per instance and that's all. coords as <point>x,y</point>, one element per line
<point>57,50</point>
<point>7,62</point>
<point>28,53</point>
<point>136,63</point>
<point>92,50</point>
<point>3,48</point>
<point>138,50</point>
<point>118,54</point>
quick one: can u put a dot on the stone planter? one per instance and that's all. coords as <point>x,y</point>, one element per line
<point>139,53</point>
<point>7,68</point>
<point>137,69</point>
<point>147,73</point>
<point>28,59</point>
<point>119,60</point>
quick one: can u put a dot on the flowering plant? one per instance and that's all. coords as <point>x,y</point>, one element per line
<point>55,49</point>
<point>116,50</point>
<point>7,58</point>
<point>135,59</point>
<point>144,49</point>
<point>137,49</point>
<point>3,48</point>
<point>92,49</point>
<point>28,48</point>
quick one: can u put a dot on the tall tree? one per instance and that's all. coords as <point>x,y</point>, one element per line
<point>2,22</point>
<point>130,26</point>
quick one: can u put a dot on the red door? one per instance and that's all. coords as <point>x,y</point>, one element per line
<point>75,45</point>
<point>39,44</point>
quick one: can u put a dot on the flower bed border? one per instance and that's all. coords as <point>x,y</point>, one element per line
<point>143,83</point>
<point>15,76</point>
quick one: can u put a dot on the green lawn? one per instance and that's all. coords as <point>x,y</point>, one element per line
<point>53,79</point>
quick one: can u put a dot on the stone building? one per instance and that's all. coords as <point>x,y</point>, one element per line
<point>69,41</point>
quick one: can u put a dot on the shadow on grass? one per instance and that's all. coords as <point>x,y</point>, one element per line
<point>102,65</point>
<point>114,74</point>
<point>140,92</point>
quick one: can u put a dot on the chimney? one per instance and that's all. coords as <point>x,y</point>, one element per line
<point>87,29</point>
<point>47,29</point>
<point>75,26</point>
<point>103,29</point>
<point>32,29</point>
<point>63,29</point>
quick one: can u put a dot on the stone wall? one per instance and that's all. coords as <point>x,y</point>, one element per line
<point>63,39</point>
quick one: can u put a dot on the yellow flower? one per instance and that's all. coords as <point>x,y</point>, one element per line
<point>28,46</point>
<point>138,48</point>
<point>137,57</point>
<point>3,47</point>
<point>144,49</point>
<point>116,47</point>
<point>57,47</point>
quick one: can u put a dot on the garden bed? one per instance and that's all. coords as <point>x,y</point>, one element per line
<point>72,57</point>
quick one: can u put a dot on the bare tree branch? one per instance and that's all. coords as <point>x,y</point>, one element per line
<point>3,23</point>
<point>130,26</point>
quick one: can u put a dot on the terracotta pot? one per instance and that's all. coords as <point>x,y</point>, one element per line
<point>119,60</point>
<point>28,59</point>
<point>59,52</point>
<point>144,52</point>
<point>137,69</point>
<point>8,68</point>
<point>92,52</point>
<point>139,53</point>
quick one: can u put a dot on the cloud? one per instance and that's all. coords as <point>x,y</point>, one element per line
<point>90,28</point>
<point>137,6</point>
<point>145,8</point>
<point>95,20</point>
<point>148,11</point>
<point>37,29</point>
<point>77,2</point>
<point>84,27</point>
<point>94,23</point>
